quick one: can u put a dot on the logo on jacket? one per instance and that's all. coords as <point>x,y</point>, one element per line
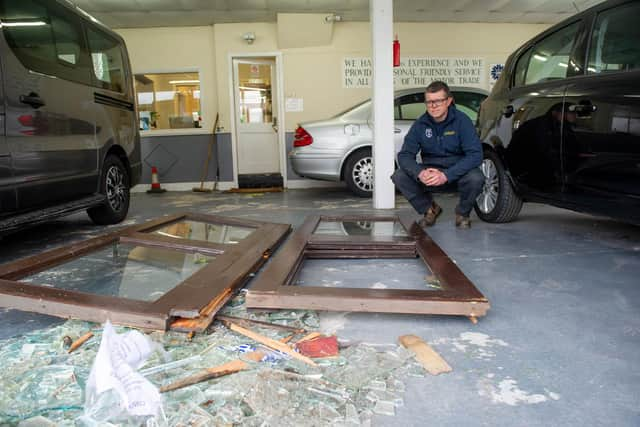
<point>428,132</point>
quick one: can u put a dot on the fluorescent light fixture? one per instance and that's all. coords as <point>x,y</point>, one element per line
<point>24,24</point>
<point>252,88</point>
<point>183,82</point>
<point>534,93</point>
<point>563,65</point>
<point>540,57</point>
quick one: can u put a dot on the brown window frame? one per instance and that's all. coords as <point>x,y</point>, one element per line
<point>190,305</point>
<point>275,289</point>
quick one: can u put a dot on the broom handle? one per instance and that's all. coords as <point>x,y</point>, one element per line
<point>206,163</point>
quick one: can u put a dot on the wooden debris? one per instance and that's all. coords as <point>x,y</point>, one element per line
<point>247,322</point>
<point>77,343</point>
<point>208,374</point>
<point>310,336</point>
<point>219,371</point>
<point>428,357</point>
<point>269,342</point>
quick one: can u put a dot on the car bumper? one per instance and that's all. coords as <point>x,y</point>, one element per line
<point>317,167</point>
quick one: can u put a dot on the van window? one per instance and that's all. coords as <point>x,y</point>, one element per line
<point>27,29</point>
<point>46,38</point>
<point>107,58</point>
<point>550,57</point>
<point>615,43</point>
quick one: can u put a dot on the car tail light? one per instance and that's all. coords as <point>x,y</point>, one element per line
<point>302,137</point>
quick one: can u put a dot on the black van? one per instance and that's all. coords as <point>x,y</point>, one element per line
<point>69,138</point>
<point>562,124</point>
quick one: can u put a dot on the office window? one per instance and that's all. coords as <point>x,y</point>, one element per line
<point>168,100</point>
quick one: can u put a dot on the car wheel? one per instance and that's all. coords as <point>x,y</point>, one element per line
<point>114,184</point>
<point>359,173</point>
<point>498,202</point>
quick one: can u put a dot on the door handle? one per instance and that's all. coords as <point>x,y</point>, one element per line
<point>274,126</point>
<point>583,108</point>
<point>508,111</point>
<point>396,130</point>
<point>33,99</point>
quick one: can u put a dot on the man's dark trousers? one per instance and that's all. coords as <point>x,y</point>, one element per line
<point>469,187</point>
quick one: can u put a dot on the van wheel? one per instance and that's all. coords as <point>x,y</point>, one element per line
<point>358,173</point>
<point>498,202</point>
<point>114,184</point>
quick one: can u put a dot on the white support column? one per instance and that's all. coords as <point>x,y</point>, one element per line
<point>381,16</point>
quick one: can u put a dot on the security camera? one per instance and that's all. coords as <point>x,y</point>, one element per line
<point>249,37</point>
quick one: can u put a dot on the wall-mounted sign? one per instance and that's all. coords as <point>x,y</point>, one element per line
<point>294,105</point>
<point>494,73</point>
<point>418,72</point>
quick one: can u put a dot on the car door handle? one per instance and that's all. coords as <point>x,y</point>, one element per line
<point>33,99</point>
<point>396,130</point>
<point>508,111</point>
<point>583,108</point>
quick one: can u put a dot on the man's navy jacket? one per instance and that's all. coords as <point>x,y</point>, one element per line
<point>452,146</point>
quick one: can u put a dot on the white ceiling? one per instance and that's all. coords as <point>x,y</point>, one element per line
<point>163,13</point>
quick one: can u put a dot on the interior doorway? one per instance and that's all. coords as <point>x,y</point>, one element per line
<point>256,122</point>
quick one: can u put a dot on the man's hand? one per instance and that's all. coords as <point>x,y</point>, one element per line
<point>432,177</point>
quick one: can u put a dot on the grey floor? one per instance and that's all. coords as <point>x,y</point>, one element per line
<point>560,345</point>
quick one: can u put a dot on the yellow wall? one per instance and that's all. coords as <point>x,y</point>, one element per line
<point>177,49</point>
<point>313,74</point>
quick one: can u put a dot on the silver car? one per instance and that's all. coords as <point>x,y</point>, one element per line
<point>339,149</point>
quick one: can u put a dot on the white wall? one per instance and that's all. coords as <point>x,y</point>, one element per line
<point>175,49</point>
<point>313,74</point>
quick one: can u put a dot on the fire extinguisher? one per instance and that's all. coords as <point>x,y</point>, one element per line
<point>396,52</point>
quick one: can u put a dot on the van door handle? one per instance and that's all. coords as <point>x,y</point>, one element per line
<point>397,130</point>
<point>33,99</point>
<point>508,111</point>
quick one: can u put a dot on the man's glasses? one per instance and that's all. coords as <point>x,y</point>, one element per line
<point>435,102</point>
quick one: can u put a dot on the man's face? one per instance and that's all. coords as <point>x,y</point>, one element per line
<point>437,104</point>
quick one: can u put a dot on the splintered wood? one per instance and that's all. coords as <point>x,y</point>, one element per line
<point>269,342</point>
<point>428,357</point>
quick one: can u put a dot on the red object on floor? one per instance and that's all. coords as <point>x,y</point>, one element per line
<point>319,347</point>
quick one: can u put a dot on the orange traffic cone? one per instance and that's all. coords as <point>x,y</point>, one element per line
<point>155,184</point>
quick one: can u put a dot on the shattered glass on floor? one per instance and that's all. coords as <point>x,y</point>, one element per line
<point>42,383</point>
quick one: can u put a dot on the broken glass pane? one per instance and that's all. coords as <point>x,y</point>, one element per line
<point>360,228</point>
<point>123,270</point>
<point>396,273</point>
<point>197,230</point>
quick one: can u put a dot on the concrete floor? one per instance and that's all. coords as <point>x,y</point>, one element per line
<point>559,346</point>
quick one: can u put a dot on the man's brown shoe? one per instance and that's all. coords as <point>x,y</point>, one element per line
<point>462,221</point>
<point>430,216</point>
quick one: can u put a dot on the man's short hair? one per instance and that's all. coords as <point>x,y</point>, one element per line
<point>437,86</point>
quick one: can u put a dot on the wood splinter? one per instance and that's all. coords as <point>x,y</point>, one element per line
<point>275,345</point>
<point>77,343</point>
<point>207,374</point>
<point>428,357</point>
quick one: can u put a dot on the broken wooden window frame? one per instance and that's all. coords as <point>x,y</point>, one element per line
<point>190,305</point>
<point>275,289</point>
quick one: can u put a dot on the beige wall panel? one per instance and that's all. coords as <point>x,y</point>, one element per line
<point>177,49</point>
<point>313,74</point>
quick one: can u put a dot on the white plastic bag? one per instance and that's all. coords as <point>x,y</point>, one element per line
<point>115,390</point>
